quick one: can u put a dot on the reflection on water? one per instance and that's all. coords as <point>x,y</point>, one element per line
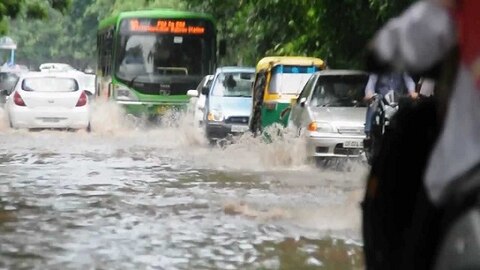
<point>304,253</point>
<point>128,196</point>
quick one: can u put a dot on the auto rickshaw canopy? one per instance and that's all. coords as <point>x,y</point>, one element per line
<point>272,61</point>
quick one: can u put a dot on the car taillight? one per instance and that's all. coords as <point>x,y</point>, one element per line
<point>82,101</point>
<point>18,100</point>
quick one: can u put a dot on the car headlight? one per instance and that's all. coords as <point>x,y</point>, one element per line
<point>124,94</point>
<point>320,127</point>
<point>215,116</point>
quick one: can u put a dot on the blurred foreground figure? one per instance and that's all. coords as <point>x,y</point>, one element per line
<point>424,214</point>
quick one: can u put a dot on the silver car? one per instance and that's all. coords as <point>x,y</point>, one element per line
<point>229,103</point>
<point>330,113</point>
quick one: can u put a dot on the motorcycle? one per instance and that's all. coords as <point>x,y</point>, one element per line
<point>384,107</point>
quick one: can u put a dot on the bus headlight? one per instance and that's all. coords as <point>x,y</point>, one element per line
<point>215,116</point>
<point>125,94</point>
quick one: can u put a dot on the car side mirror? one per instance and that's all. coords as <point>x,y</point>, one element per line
<point>302,102</point>
<point>222,48</point>
<point>192,93</point>
<point>205,91</point>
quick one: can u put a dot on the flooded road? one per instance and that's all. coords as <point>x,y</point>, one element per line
<point>125,198</point>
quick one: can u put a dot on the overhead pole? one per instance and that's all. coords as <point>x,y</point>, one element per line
<point>12,57</point>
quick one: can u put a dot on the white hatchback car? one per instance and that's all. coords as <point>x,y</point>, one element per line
<point>48,100</point>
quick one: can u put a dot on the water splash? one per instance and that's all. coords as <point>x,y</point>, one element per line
<point>341,216</point>
<point>185,131</point>
<point>177,130</point>
<point>108,118</point>
<point>248,153</point>
<point>4,122</point>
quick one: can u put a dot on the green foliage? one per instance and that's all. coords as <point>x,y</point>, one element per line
<point>334,30</point>
<point>34,9</point>
<point>60,5</point>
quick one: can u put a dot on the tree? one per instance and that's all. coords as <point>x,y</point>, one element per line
<point>34,9</point>
<point>335,30</point>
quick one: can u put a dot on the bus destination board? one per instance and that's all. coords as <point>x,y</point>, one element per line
<point>166,26</point>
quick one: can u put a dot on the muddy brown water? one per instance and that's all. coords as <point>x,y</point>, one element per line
<point>123,198</point>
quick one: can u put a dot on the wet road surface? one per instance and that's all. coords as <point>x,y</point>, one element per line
<point>162,199</point>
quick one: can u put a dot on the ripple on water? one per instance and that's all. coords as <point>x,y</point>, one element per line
<point>125,197</point>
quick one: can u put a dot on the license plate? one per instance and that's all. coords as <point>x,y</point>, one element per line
<point>353,144</point>
<point>238,128</point>
<point>50,119</point>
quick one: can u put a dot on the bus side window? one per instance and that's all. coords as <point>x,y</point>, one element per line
<point>110,49</point>
<point>105,43</point>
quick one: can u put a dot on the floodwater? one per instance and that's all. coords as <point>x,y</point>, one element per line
<point>129,197</point>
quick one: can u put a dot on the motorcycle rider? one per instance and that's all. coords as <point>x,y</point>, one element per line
<point>438,38</point>
<point>382,83</point>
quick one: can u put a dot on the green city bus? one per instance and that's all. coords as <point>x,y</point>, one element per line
<point>148,60</point>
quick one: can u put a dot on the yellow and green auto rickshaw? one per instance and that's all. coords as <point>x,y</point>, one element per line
<point>278,80</point>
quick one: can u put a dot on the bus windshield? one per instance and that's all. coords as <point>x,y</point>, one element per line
<point>290,79</point>
<point>146,49</point>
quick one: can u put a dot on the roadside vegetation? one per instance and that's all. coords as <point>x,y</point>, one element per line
<point>334,30</point>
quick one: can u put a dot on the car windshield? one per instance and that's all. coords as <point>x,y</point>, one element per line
<point>50,84</point>
<point>339,91</point>
<point>234,84</point>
